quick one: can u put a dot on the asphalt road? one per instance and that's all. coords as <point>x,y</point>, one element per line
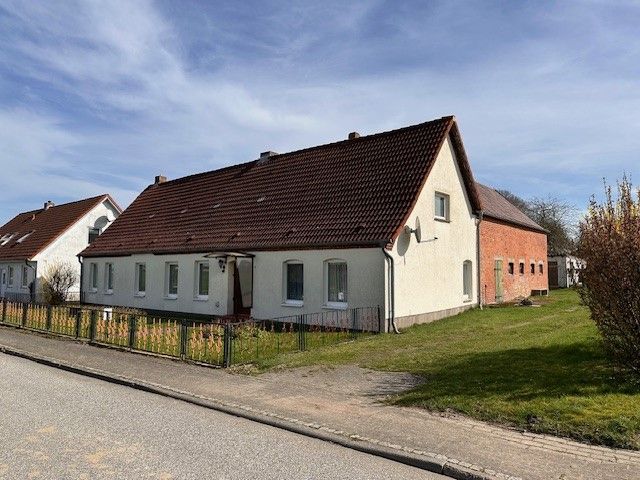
<point>55,424</point>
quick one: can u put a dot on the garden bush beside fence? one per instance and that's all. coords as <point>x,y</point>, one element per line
<point>211,342</point>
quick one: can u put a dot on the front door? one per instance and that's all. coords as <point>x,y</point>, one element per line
<point>3,282</point>
<point>499,286</point>
<point>238,307</point>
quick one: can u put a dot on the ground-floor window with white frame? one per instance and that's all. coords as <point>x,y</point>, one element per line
<point>202,280</point>
<point>336,271</point>
<point>467,279</point>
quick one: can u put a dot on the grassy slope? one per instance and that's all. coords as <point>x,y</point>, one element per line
<point>542,369</point>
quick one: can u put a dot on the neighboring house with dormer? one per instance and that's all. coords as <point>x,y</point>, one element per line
<point>388,220</point>
<point>34,241</point>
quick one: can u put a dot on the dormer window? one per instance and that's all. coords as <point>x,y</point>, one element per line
<point>24,237</point>
<point>6,238</point>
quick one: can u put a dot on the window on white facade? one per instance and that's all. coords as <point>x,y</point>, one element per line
<point>141,279</point>
<point>467,279</point>
<point>171,280</point>
<point>11,273</point>
<point>25,276</point>
<point>93,275</point>
<point>294,282</point>
<point>442,206</point>
<point>93,234</point>
<point>202,280</point>
<point>108,277</point>
<point>336,282</point>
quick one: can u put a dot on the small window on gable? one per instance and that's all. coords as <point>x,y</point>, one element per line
<point>294,282</point>
<point>521,268</point>
<point>441,206</point>
<point>511,268</point>
<point>533,268</point>
<point>93,234</point>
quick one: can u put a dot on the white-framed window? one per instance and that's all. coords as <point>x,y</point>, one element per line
<point>293,282</point>
<point>441,206</point>
<point>6,238</point>
<point>171,280</point>
<point>11,275</point>
<point>93,234</point>
<point>336,283</point>
<point>25,276</point>
<point>108,278</point>
<point>467,279</point>
<point>141,279</point>
<point>202,280</point>
<point>93,276</point>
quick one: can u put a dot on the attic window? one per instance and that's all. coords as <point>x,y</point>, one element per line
<point>184,210</point>
<point>24,237</point>
<point>5,238</point>
<point>217,205</point>
<point>261,199</point>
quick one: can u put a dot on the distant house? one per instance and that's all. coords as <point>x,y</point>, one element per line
<point>34,241</point>
<point>565,271</point>
<point>386,220</point>
<point>513,251</point>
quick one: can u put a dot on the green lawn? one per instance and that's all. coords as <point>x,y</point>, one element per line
<point>539,368</point>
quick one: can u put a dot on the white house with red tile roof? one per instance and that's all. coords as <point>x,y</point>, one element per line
<point>385,220</point>
<point>34,241</point>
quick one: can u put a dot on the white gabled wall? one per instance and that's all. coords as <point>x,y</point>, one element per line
<point>73,241</point>
<point>428,275</point>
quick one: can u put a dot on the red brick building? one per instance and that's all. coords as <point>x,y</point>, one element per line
<point>513,251</point>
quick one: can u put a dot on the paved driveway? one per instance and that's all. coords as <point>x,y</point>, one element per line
<point>56,424</point>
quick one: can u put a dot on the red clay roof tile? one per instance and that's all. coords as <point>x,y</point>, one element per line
<point>496,206</point>
<point>351,193</point>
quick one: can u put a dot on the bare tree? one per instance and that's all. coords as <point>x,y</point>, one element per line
<point>57,281</point>
<point>554,215</point>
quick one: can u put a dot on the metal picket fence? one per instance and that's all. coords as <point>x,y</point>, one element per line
<point>211,341</point>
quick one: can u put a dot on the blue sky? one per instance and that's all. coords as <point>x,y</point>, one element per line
<point>102,96</point>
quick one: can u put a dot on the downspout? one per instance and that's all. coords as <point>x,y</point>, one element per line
<point>479,261</point>
<point>80,299</point>
<point>392,295</point>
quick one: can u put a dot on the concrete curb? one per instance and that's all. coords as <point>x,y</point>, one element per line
<point>424,460</point>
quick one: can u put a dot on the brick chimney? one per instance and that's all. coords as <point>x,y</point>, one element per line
<point>48,204</point>
<point>160,179</point>
<point>354,135</point>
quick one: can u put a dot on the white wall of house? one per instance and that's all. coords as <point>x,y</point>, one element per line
<point>429,275</point>
<point>365,282</point>
<point>75,239</point>
<point>15,278</point>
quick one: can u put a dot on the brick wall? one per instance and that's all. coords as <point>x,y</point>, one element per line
<point>499,240</point>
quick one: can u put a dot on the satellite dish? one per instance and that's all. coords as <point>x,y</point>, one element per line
<point>416,231</point>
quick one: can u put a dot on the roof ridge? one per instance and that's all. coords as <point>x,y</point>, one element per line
<point>276,156</point>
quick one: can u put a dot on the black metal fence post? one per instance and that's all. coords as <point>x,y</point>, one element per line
<point>227,345</point>
<point>302,344</point>
<point>379,320</point>
<point>25,313</point>
<point>49,314</point>
<point>78,322</point>
<point>92,326</point>
<point>4,310</point>
<point>183,338</point>
<point>132,330</point>
<point>354,321</point>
